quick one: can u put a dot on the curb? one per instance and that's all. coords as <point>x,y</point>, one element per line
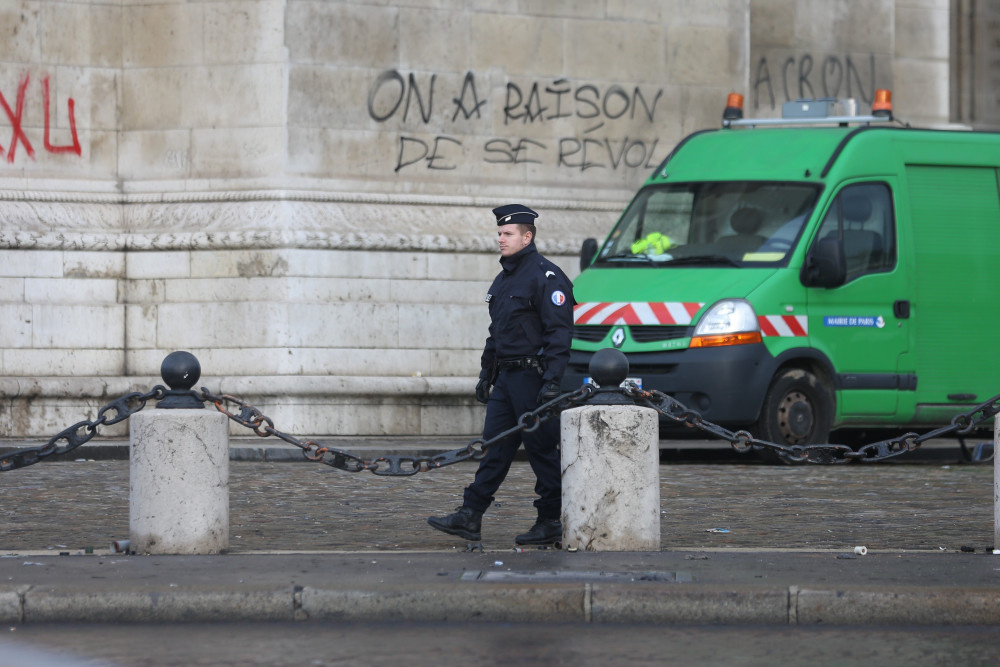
<point>554,603</point>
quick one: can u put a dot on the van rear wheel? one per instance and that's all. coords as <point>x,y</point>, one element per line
<point>797,410</point>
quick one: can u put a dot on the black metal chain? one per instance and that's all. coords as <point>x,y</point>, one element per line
<point>116,411</point>
<point>392,465</point>
<point>405,465</point>
<point>744,441</point>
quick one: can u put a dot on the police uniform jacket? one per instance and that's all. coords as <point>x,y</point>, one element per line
<point>531,314</point>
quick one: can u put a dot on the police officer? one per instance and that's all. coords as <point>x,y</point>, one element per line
<point>531,327</point>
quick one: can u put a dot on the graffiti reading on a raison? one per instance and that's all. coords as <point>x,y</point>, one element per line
<point>16,117</point>
<point>592,110</point>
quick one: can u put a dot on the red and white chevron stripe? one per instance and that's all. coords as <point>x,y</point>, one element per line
<point>635,312</point>
<point>784,325</point>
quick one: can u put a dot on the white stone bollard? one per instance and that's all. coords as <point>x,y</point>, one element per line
<point>179,482</point>
<point>611,478</point>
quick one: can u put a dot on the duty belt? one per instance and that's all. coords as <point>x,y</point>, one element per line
<point>520,362</point>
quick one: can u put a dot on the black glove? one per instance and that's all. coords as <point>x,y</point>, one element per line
<point>483,391</point>
<point>548,391</point>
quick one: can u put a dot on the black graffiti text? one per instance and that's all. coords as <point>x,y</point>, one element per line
<point>393,95</point>
<point>444,152</point>
<point>803,76</point>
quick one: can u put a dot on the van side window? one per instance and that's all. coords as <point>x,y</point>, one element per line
<point>862,217</point>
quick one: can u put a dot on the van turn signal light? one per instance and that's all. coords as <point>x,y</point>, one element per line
<point>744,338</point>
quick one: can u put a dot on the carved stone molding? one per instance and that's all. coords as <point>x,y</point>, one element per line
<point>268,219</point>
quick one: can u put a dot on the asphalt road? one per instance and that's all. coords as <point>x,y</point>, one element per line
<point>490,644</point>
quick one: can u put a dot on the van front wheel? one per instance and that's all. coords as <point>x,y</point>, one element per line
<point>797,410</point>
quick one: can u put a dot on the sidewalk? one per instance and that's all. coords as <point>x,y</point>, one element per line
<point>741,544</point>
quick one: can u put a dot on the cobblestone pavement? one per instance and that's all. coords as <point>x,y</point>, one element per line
<point>308,506</point>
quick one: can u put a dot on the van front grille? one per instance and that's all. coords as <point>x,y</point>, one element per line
<point>591,333</point>
<point>651,334</point>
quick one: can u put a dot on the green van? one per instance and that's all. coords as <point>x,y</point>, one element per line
<point>816,271</point>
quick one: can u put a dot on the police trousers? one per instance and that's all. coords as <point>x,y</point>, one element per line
<point>516,392</point>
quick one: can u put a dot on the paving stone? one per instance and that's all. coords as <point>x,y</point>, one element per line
<point>310,506</point>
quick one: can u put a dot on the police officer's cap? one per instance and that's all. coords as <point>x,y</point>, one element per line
<point>514,214</point>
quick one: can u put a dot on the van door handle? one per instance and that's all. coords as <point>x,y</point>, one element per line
<point>901,309</point>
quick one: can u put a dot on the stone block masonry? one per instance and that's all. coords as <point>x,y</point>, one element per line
<point>298,192</point>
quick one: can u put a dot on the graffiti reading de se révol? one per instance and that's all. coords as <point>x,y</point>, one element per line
<point>393,96</point>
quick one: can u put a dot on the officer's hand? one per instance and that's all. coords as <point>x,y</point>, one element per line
<point>549,391</point>
<point>483,391</point>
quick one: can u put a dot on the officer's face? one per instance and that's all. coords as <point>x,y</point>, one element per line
<point>512,240</point>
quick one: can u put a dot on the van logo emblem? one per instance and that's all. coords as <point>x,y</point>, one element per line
<point>618,337</point>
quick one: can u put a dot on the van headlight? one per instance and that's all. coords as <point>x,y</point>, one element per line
<point>728,322</point>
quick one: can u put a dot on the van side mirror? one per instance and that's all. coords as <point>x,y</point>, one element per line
<point>825,265</point>
<point>587,252</point>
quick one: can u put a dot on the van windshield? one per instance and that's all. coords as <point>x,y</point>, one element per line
<point>741,223</point>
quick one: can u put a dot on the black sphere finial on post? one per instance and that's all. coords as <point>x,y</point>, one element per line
<point>609,368</point>
<point>180,371</point>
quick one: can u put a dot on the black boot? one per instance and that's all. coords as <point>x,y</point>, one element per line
<point>545,531</point>
<point>466,523</point>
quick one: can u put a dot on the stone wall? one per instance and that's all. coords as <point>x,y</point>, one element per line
<point>298,191</point>
<point>975,63</point>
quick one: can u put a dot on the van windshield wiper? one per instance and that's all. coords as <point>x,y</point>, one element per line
<point>628,257</point>
<point>705,260</point>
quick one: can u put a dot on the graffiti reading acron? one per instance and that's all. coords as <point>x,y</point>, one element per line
<point>17,131</point>
<point>798,77</point>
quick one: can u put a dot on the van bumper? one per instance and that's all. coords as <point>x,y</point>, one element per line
<point>726,385</point>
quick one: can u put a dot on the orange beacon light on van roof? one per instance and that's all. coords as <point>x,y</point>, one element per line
<point>882,106</point>
<point>822,111</point>
<point>734,107</point>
